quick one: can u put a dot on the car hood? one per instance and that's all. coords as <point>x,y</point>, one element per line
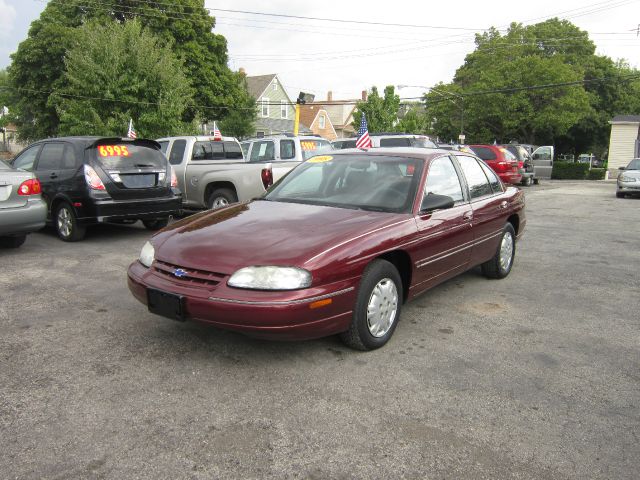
<point>630,173</point>
<point>264,233</point>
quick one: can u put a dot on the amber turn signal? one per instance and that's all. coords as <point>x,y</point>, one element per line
<point>320,303</point>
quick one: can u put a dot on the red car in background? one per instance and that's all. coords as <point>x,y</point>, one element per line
<point>502,161</point>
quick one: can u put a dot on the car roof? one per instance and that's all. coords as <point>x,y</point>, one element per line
<point>412,152</point>
<point>197,138</point>
<point>88,140</point>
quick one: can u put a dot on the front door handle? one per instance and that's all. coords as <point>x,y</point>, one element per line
<point>467,215</point>
<point>503,205</point>
<point>53,175</point>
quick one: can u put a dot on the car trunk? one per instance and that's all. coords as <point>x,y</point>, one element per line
<point>10,180</point>
<point>133,170</point>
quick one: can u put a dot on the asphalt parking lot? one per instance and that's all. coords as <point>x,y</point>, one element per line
<point>534,376</point>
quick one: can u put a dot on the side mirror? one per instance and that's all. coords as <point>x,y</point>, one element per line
<point>433,202</point>
<point>622,168</point>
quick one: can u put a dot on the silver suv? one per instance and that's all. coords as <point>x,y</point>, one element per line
<point>284,152</point>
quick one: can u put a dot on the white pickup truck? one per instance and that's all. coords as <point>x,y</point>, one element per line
<point>214,173</point>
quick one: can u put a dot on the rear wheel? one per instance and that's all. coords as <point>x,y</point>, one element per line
<point>377,308</point>
<point>66,224</point>
<point>536,181</point>
<point>500,265</point>
<point>156,224</point>
<point>13,241</point>
<point>527,181</point>
<point>221,197</point>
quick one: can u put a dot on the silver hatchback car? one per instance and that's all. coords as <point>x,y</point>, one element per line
<point>22,209</point>
<point>629,179</point>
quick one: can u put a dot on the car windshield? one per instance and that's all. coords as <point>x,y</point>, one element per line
<point>634,164</point>
<point>359,181</point>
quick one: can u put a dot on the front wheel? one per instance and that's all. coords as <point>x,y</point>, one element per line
<point>527,181</point>
<point>221,197</point>
<point>66,224</point>
<point>500,265</point>
<point>155,224</point>
<point>377,308</point>
<point>12,242</point>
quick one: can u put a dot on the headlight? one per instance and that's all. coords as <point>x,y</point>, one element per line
<point>147,254</point>
<point>270,278</point>
<point>624,178</point>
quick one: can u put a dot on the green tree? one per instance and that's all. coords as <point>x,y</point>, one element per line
<point>5,97</point>
<point>239,121</point>
<point>38,65</point>
<point>413,121</point>
<point>115,72</point>
<point>381,112</point>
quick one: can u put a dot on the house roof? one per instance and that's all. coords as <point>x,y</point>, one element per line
<point>626,119</point>
<point>308,114</point>
<point>258,84</point>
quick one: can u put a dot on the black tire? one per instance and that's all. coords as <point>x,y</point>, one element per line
<point>527,182</point>
<point>155,224</point>
<point>221,197</point>
<point>376,277</point>
<point>619,195</point>
<point>496,268</point>
<point>13,241</point>
<point>536,181</point>
<point>66,224</point>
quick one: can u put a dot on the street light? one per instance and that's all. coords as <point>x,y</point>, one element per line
<point>447,96</point>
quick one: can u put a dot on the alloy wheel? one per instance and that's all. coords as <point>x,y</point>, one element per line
<point>65,222</point>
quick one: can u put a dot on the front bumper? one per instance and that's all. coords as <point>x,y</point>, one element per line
<point>276,315</point>
<point>25,219</point>
<point>101,211</point>
<point>630,188</point>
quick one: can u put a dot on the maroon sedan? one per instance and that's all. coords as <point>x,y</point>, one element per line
<point>336,247</point>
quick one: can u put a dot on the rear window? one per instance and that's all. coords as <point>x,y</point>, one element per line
<point>395,142</point>
<point>342,144</point>
<point>129,156</point>
<point>216,151</point>
<point>485,153</point>
<point>422,143</point>
<point>311,148</point>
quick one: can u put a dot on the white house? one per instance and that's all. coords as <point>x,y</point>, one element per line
<point>624,144</point>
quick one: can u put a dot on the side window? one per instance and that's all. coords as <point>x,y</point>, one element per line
<point>26,159</point>
<point>163,146</point>
<point>476,179</point>
<point>443,179</point>
<point>233,151</point>
<point>287,149</point>
<point>245,149</point>
<point>177,152</point>
<point>494,181</point>
<point>51,157</point>
<point>262,151</point>
<point>69,157</point>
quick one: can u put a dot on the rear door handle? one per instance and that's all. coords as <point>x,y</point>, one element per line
<point>53,175</point>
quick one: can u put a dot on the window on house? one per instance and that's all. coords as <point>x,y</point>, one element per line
<point>284,109</point>
<point>275,86</point>
<point>265,107</point>
<point>321,121</point>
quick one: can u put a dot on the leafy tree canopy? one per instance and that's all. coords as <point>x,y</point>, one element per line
<point>116,72</point>
<point>38,64</point>
<point>551,52</point>
<point>381,112</point>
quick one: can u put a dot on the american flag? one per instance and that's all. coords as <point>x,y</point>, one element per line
<point>216,132</point>
<point>131,133</point>
<point>363,141</point>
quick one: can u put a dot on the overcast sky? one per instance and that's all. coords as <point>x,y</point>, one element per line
<point>317,56</point>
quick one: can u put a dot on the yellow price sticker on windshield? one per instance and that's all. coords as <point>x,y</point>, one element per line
<point>320,159</point>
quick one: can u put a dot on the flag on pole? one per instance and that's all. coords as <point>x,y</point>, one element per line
<point>363,141</point>
<point>131,133</point>
<point>216,132</point>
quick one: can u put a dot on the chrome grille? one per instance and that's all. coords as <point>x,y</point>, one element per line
<point>190,275</point>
